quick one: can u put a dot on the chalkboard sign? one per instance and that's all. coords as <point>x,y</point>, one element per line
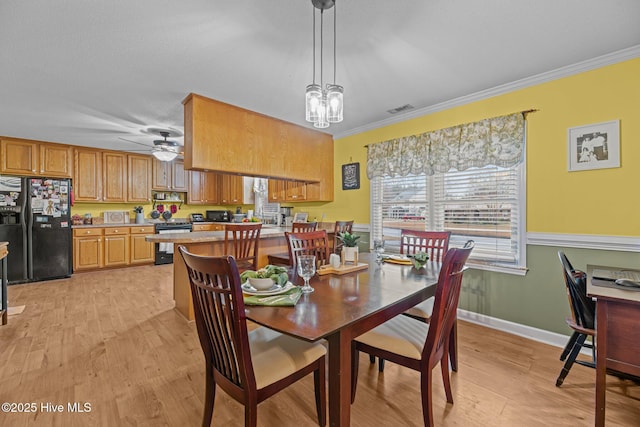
<point>351,176</point>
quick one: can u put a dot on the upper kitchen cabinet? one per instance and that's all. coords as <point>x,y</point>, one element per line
<point>203,188</point>
<point>114,177</point>
<point>34,158</point>
<point>56,160</point>
<point>87,178</point>
<point>19,157</point>
<point>228,139</point>
<point>170,176</point>
<point>139,178</point>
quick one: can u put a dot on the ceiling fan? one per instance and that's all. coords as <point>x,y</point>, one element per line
<point>163,149</point>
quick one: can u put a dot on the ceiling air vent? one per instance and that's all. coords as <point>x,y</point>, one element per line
<point>405,107</point>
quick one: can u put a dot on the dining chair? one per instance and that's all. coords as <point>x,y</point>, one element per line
<point>310,243</point>
<point>242,241</point>
<point>582,320</point>
<point>417,345</point>
<point>435,244</point>
<point>249,366</point>
<point>340,227</point>
<point>296,227</point>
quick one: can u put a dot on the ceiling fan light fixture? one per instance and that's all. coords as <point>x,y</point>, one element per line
<point>164,155</point>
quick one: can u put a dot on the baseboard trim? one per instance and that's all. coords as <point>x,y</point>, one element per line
<point>535,334</point>
<point>585,241</point>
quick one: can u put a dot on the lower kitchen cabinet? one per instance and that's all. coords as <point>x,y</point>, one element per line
<point>208,227</point>
<point>142,252</point>
<point>116,246</point>
<point>87,248</point>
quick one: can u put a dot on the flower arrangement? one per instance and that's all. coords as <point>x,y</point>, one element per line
<point>420,259</point>
<point>138,209</point>
<point>348,239</point>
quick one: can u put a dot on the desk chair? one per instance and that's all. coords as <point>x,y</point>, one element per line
<point>582,320</point>
<point>310,243</point>
<point>249,366</point>
<point>340,227</point>
<point>296,227</point>
<point>242,242</point>
<point>436,244</point>
<point>415,344</point>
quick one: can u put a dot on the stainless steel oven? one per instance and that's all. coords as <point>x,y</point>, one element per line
<point>164,251</point>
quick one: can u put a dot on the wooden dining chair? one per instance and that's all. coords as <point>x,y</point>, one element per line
<point>249,366</point>
<point>436,245</point>
<point>296,227</point>
<point>417,345</point>
<point>242,241</point>
<point>310,243</point>
<point>340,227</point>
<point>582,320</point>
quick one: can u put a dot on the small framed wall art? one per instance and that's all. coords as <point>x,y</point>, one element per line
<point>351,176</point>
<point>595,146</point>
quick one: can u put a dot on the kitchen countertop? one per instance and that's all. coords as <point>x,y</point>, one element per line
<point>181,221</point>
<point>208,236</point>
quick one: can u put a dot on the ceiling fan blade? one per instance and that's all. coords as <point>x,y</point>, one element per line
<point>135,142</point>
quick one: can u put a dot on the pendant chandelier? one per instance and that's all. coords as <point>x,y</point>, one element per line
<point>324,105</point>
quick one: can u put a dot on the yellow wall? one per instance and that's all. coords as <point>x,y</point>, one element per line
<point>602,201</point>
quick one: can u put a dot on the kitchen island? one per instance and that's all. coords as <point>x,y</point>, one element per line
<point>272,241</point>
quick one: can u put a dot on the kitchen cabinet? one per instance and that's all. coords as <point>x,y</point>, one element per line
<point>142,252</point>
<point>56,160</point>
<point>87,178</point>
<point>277,190</point>
<point>231,190</point>
<point>170,176</point>
<point>139,178</point>
<point>87,248</point>
<point>116,246</point>
<point>114,177</point>
<point>296,191</point>
<point>203,188</point>
<point>19,157</point>
<point>208,227</point>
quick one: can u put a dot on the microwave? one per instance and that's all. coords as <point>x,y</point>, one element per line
<point>218,216</point>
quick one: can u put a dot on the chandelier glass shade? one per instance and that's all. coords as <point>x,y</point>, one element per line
<point>324,105</point>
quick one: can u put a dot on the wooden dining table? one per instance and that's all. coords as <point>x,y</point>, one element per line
<point>343,307</point>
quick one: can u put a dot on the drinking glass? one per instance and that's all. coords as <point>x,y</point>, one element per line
<point>306,270</point>
<point>378,247</point>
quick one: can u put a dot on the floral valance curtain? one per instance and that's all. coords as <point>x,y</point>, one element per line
<point>497,141</point>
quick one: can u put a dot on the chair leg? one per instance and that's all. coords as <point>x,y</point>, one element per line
<point>444,366</point>
<point>569,346</point>
<point>209,397</point>
<point>355,355</point>
<point>453,346</point>
<point>372,359</point>
<point>380,364</point>
<point>571,359</point>
<point>319,376</point>
<point>425,392</point>
<point>251,414</point>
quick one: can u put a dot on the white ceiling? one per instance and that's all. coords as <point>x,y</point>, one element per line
<point>88,72</point>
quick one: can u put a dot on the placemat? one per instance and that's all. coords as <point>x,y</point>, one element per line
<point>287,299</point>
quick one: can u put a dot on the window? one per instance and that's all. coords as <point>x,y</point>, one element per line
<point>484,204</point>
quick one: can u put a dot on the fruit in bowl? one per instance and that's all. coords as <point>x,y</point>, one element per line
<point>266,277</point>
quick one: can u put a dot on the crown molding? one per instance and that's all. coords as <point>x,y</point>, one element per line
<point>569,70</point>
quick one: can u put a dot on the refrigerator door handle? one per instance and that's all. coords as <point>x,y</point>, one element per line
<point>29,231</point>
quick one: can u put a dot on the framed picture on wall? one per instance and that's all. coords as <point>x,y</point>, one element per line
<point>595,146</point>
<point>351,176</point>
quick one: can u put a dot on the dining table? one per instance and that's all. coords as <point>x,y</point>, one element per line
<point>344,306</point>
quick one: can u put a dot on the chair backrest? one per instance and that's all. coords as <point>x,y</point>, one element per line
<point>220,318</point>
<point>309,243</point>
<point>434,243</point>
<point>583,308</point>
<point>340,227</point>
<point>303,227</point>
<point>445,304</point>
<point>242,242</point>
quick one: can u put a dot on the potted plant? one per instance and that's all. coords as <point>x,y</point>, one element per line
<point>350,246</point>
<point>139,210</point>
<point>420,259</point>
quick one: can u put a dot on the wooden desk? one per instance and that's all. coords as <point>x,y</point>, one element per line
<point>3,282</point>
<point>344,307</point>
<point>617,335</point>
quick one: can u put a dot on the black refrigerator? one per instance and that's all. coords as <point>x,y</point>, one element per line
<point>35,220</point>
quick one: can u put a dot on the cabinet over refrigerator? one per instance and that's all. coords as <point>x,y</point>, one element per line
<point>35,220</point>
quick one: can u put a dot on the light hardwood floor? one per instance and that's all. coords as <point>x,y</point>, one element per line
<point>112,339</point>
